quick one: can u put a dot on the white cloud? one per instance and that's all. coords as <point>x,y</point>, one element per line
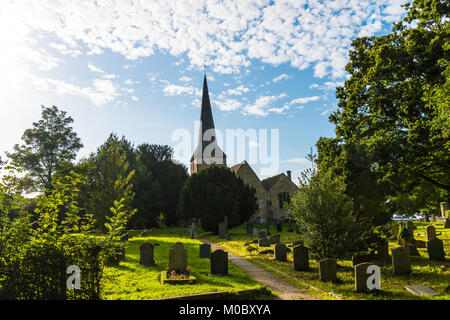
<point>263,106</point>
<point>176,90</point>
<point>185,79</point>
<point>304,100</point>
<point>281,77</point>
<point>224,35</point>
<point>297,160</point>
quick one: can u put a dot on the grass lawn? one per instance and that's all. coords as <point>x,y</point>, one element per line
<point>130,280</point>
<point>434,274</point>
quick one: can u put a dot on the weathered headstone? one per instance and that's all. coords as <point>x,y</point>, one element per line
<point>358,258</point>
<point>255,232</point>
<point>219,262</point>
<point>444,207</point>
<point>435,249</point>
<point>264,242</point>
<point>147,254</point>
<point>401,261</point>
<point>275,239</point>
<point>361,276</point>
<point>178,258</point>
<point>301,258</point>
<point>413,251</point>
<point>430,232</point>
<point>327,270</point>
<point>193,233</point>
<point>222,230</point>
<point>205,250</point>
<point>249,226</point>
<point>280,252</point>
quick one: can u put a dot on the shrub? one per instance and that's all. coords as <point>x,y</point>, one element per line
<point>406,237</point>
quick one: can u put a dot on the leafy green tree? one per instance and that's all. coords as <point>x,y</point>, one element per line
<point>213,193</point>
<point>108,179</point>
<point>383,105</point>
<point>46,147</point>
<point>323,213</point>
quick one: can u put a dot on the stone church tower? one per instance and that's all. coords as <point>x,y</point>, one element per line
<point>207,151</point>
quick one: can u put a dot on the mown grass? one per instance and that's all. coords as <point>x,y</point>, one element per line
<point>434,274</point>
<point>130,280</point>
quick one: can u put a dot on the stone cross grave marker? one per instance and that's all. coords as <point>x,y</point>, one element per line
<point>178,258</point>
<point>301,258</point>
<point>205,250</point>
<point>146,251</point>
<point>435,249</point>
<point>401,261</point>
<point>327,270</point>
<point>280,252</point>
<point>219,262</point>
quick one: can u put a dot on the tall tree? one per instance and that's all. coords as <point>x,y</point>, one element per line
<point>48,146</point>
<point>383,105</point>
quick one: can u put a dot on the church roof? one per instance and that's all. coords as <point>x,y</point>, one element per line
<point>270,182</point>
<point>238,166</point>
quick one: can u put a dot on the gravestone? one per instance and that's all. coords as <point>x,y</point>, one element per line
<point>301,258</point>
<point>327,270</point>
<point>279,227</point>
<point>178,258</point>
<point>435,249</point>
<point>360,258</point>
<point>225,221</point>
<point>205,250</point>
<point>255,232</point>
<point>219,262</point>
<point>420,290</point>
<point>430,232</point>
<point>413,251</point>
<point>275,239</point>
<point>280,252</point>
<point>361,276</point>
<point>146,251</point>
<point>228,236</point>
<point>401,261</point>
<point>444,207</point>
<point>262,234</point>
<point>193,233</point>
<point>264,242</point>
<point>222,230</point>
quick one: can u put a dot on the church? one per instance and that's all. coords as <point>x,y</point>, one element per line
<point>271,193</point>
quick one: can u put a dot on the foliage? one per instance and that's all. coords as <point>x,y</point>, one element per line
<point>383,105</point>
<point>47,147</point>
<point>108,179</point>
<point>323,215</point>
<point>213,193</point>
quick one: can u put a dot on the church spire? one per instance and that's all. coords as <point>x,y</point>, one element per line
<point>206,137</point>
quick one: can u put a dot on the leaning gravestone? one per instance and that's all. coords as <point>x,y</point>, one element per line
<point>327,270</point>
<point>301,258</point>
<point>178,258</point>
<point>147,254</point>
<point>435,249</point>
<point>420,290</point>
<point>361,276</point>
<point>401,261</point>
<point>205,250</point>
<point>280,252</point>
<point>219,262</point>
<point>264,242</point>
<point>430,232</point>
<point>222,230</point>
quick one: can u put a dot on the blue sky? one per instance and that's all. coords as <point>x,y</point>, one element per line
<point>136,67</point>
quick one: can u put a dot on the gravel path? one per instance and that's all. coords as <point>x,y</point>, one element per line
<point>282,289</point>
